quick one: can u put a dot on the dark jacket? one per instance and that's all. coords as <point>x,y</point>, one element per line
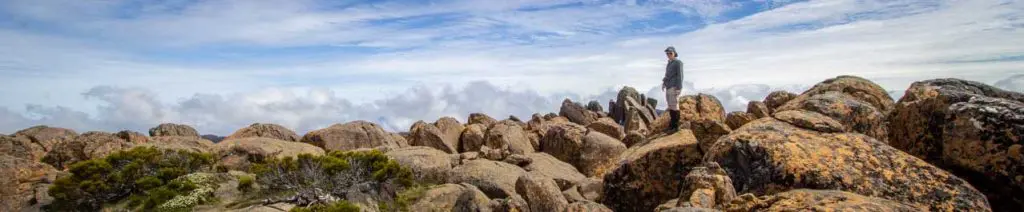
<point>673,75</point>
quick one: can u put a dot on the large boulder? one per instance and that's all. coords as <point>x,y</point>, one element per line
<point>591,152</point>
<point>548,166</point>
<point>496,179</point>
<point>172,129</point>
<point>699,107</point>
<point>443,135</point>
<point>777,98</point>
<point>33,143</point>
<point>24,184</point>
<point>769,156</point>
<point>594,106</point>
<point>969,128</point>
<point>428,164</point>
<point>45,137</point>
<point>266,131</point>
<point>650,174</point>
<point>508,137</point>
<point>86,146</point>
<point>860,105</point>
<point>707,187</point>
<point>187,143</point>
<point>707,131</point>
<point>241,153</point>
<point>452,197</point>
<point>472,138</point>
<point>541,193</point>
<point>737,119</point>
<point>597,155</point>
<point>857,87</point>
<point>20,147</point>
<point>587,206</point>
<point>608,127</point>
<point>353,135</point>
<point>480,118</point>
<point>619,109</point>
<point>758,109</point>
<point>817,200</point>
<point>576,113</point>
<point>854,114</point>
<point>810,120</point>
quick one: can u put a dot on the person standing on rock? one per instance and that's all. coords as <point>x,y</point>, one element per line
<point>672,84</point>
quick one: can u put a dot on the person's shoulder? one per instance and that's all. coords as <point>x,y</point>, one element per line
<point>677,61</point>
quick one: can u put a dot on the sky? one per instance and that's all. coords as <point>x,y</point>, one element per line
<point>220,65</point>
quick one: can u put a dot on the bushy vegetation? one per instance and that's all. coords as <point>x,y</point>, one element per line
<point>245,183</point>
<point>339,206</point>
<point>145,174</point>
<point>317,181</point>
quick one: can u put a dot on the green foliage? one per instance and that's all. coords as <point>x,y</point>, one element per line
<point>245,183</point>
<point>145,171</point>
<point>405,198</point>
<point>339,206</point>
<point>337,174</point>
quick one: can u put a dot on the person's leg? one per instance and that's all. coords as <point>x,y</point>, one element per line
<point>672,98</point>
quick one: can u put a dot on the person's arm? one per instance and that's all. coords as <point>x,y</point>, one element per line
<point>668,76</point>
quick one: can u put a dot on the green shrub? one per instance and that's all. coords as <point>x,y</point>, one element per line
<point>339,206</point>
<point>145,171</point>
<point>245,183</point>
<point>335,174</point>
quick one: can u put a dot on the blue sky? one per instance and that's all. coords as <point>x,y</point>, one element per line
<point>222,64</point>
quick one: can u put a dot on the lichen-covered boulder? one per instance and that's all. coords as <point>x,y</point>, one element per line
<point>508,137</point>
<point>587,206</point>
<point>777,98</point>
<point>817,200</point>
<point>854,114</point>
<point>708,131</point>
<point>650,174</point>
<point>86,146</point>
<point>24,184</point>
<point>353,135</point>
<point>265,130</point>
<point>187,143</point>
<point>496,179</point>
<point>701,106</point>
<point>443,135</point>
<point>172,129</point>
<point>769,156</point>
<point>548,166</point>
<point>576,113</point>
<point>452,197</point>
<point>857,87</point>
<point>810,120</point>
<point>593,153</point>
<point>35,142</point>
<point>706,186</point>
<point>608,127</point>
<point>969,128</point>
<point>541,193</point>
<point>241,153</point>
<point>758,109</point>
<point>427,164</point>
<point>472,138</point>
<point>480,118</point>
<point>737,119</point>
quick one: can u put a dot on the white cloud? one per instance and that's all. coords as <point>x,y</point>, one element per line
<point>572,51</point>
<point>1013,83</point>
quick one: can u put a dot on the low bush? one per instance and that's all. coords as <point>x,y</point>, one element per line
<point>245,183</point>
<point>323,180</point>
<point>146,174</point>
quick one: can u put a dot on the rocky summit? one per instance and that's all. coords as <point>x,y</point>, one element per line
<point>842,145</point>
